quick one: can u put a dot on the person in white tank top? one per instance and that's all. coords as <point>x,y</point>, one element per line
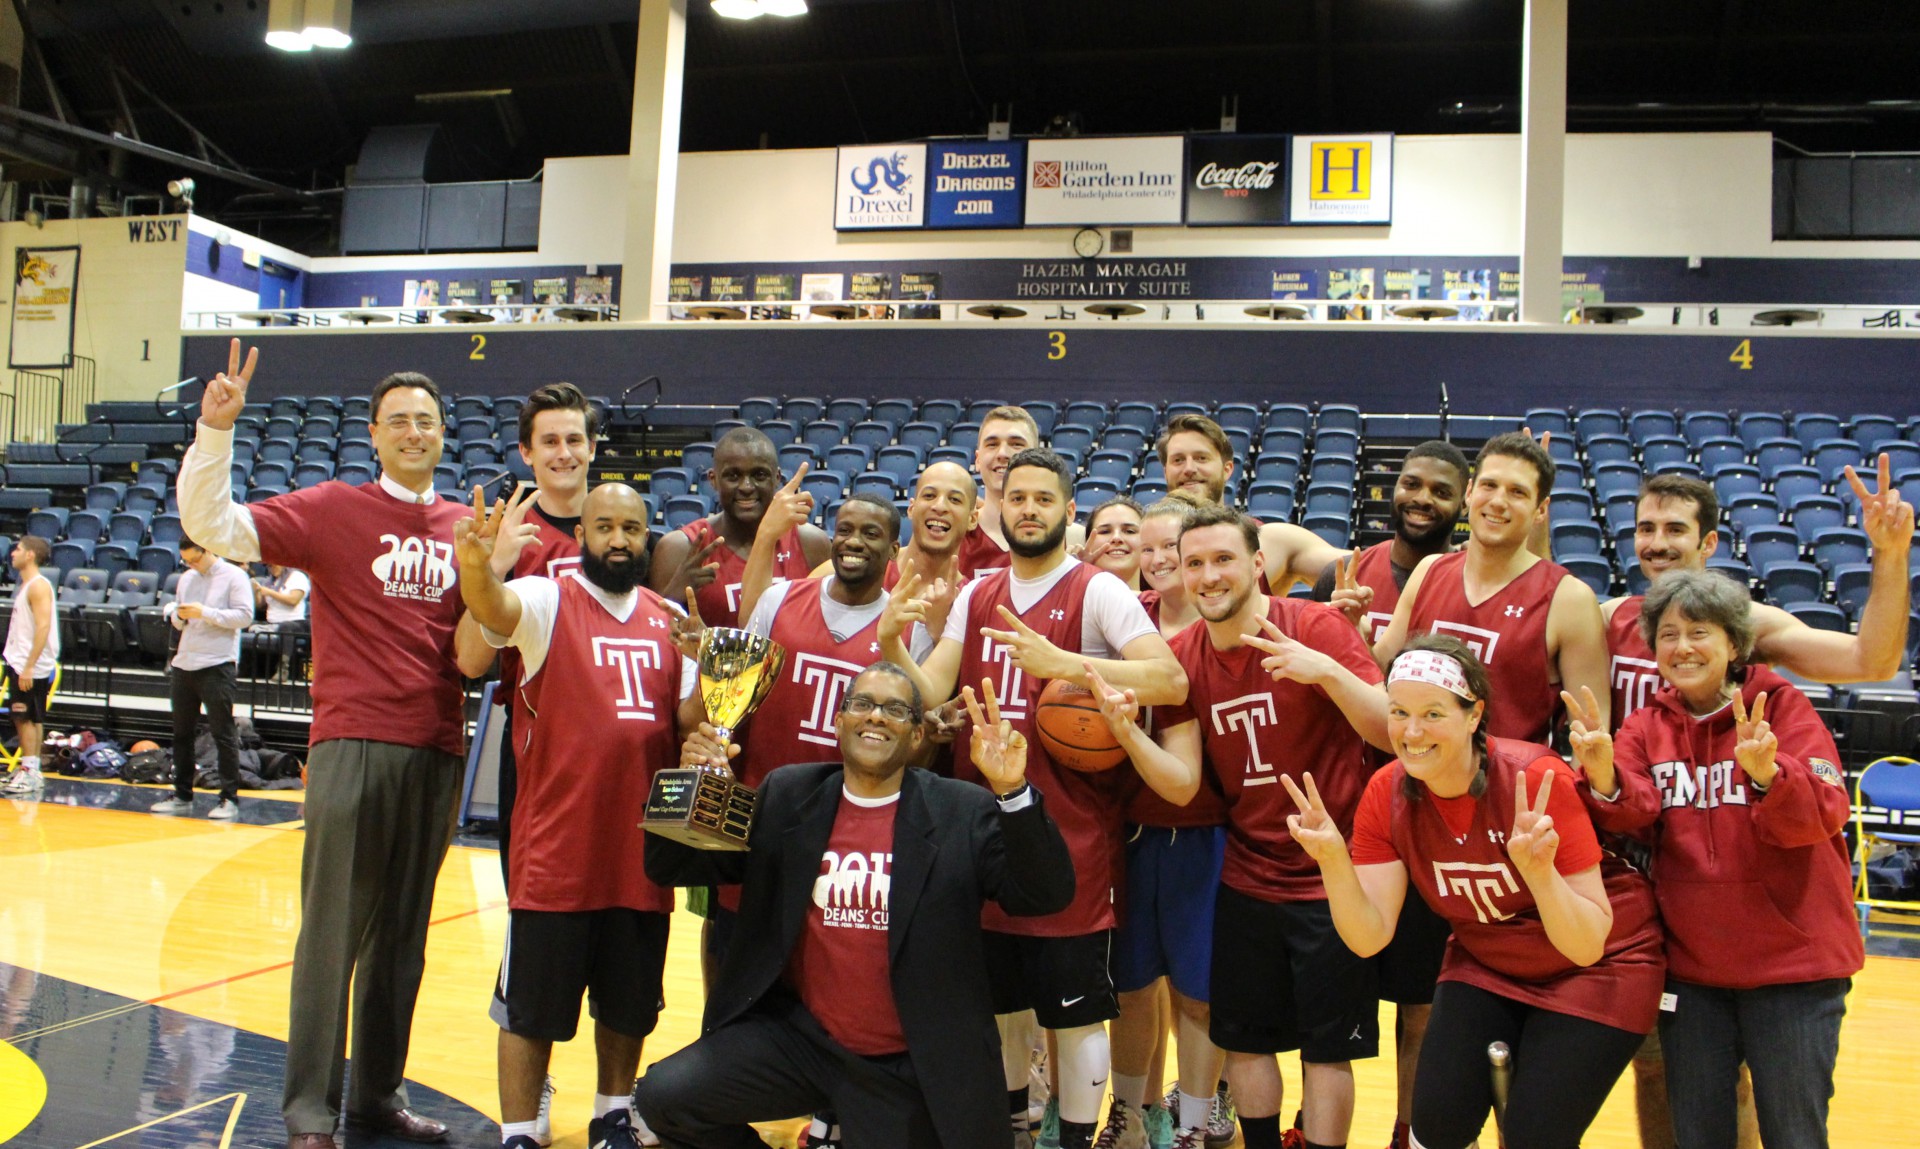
<point>32,651</point>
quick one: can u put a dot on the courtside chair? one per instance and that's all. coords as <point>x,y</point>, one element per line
<point>1892,786</point>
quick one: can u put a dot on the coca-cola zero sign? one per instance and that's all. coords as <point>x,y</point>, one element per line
<point>1236,180</point>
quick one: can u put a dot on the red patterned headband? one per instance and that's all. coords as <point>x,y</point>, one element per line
<point>1432,667</point>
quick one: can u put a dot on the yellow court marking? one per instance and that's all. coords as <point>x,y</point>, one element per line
<point>76,1022</point>
<point>23,1091</point>
<point>226,1135</point>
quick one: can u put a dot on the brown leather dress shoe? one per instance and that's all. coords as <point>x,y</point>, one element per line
<point>402,1123</point>
<point>311,1141</point>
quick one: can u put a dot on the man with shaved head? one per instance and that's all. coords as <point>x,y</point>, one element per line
<point>609,695</point>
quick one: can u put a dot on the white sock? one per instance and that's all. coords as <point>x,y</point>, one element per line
<point>1085,1061</point>
<point>30,763</point>
<point>604,1104</point>
<point>1194,1111</point>
<point>1130,1089</point>
<point>511,1129</point>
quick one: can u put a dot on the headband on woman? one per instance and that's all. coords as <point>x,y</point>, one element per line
<point>1430,666</point>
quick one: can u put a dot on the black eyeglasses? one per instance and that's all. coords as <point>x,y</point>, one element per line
<point>859,705</point>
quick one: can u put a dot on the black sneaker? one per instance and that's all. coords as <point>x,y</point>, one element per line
<point>614,1131</point>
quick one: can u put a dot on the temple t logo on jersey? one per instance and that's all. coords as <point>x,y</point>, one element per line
<point>826,680</point>
<point>852,892</point>
<point>1482,884</point>
<point>1011,686</point>
<point>1481,642</point>
<point>415,568</point>
<point>1635,681</point>
<point>733,590</point>
<point>1248,714</point>
<point>630,658</point>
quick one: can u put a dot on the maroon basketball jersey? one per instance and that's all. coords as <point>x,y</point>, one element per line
<point>795,723</point>
<point>720,599</point>
<point>1509,634</point>
<point>1499,943</point>
<point>1631,670</point>
<point>603,709</point>
<point>1145,807</point>
<point>979,554</point>
<point>1086,807</point>
<point>1255,729</point>
<point>552,552</point>
<point>1375,569</point>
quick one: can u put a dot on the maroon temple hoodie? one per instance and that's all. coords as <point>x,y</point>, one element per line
<point>1755,888</point>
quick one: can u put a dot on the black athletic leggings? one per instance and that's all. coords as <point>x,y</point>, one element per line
<point>1563,1069</point>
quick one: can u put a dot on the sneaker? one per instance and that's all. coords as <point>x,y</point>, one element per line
<point>1039,1090</point>
<point>646,1136</point>
<point>1189,1139</point>
<point>1159,1125</point>
<point>543,1120</point>
<point>24,782</point>
<point>172,806</point>
<point>1223,1119</point>
<point>820,1135</point>
<point>1125,1128</point>
<point>522,1141</point>
<point>1049,1135</point>
<point>614,1131</point>
<point>1401,1136</point>
<point>1293,1139</point>
<point>226,810</point>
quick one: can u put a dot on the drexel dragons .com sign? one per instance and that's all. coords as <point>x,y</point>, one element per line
<point>880,187</point>
<point>1342,180</point>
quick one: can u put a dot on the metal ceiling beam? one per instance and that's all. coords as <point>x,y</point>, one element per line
<point>73,134</point>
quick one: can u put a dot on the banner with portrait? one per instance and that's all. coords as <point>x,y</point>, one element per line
<point>46,282</point>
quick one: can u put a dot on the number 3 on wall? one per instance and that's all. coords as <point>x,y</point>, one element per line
<point>479,346</point>
<point>1057,340</point>
<point>1743,355</point>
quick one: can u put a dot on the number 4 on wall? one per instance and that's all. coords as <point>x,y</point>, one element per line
<point>1743,355</point>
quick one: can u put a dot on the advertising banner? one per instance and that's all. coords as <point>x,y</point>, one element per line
<point>1342,180</point>
<point>880,186</point>
<point>45,282</point>
<point>1136,180</point>
<point>975,185</point>
<point>1236,181</point>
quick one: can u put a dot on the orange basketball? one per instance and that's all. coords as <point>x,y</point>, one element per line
<point>1070,728</point>
<point>142,746</point>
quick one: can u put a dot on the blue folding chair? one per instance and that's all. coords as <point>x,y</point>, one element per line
<point>1890,786</point>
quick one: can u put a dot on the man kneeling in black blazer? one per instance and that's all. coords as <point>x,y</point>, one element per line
<point>855,981</point>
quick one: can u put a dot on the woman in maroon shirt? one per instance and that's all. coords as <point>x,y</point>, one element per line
<point>1555,949</point>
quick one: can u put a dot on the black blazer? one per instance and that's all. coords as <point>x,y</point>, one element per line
<point>952,850</point>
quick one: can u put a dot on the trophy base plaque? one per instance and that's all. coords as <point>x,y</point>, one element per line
<point>702,807</point>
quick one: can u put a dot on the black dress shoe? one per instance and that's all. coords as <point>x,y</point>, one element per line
<point>311,1141</point>
<point>402,1123</point>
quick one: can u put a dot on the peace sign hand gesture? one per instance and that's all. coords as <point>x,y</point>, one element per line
<point>475,538</point>
<point>1533,842</point>
<point>1313,827</point>
<point>1756,744</point>
<point>998,751</point>
<point>790,507</point>
<point>1289,659</point>
<point>1029,650</point>
<point>1886,518</point>
<point>699,567</point>
<point>1592,745</point>
<point>516,534</point>
<point>226,394</point>
<point>686,630</point>
<point>1349,597</point>
<point>1121,708</point>
<point>904,608</point>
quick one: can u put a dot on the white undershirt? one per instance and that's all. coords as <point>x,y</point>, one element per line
<point>1111,615</point>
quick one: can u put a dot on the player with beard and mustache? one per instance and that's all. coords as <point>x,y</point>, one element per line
<point>607,694</point>
<point>1048,616</point>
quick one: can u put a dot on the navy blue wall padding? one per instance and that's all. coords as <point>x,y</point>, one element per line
<point>1382,369</point>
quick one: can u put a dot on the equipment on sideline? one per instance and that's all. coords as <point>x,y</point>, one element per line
<point>1070,727</point>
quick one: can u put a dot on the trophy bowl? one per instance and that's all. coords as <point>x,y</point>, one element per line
<point>706,806</point>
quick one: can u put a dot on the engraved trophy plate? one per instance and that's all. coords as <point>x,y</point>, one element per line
<point>705,806</point>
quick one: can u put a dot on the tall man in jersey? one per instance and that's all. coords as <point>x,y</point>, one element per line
<point>1276,686</point>
<point>708,555</point>
<point>606,697</point>
<point>857,980</point>
<point>1428,496</point>
<point>383,774</point>
<point>1535,626</point>
<point>1049,616</point>
<point>32,657</point>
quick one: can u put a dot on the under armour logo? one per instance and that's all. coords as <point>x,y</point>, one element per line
<point>781,556</point>
<point>1497,837</point>
<point>1057,615</point>
<point>1516,611</point>
<point>657,623</point>
<point>873,648</point>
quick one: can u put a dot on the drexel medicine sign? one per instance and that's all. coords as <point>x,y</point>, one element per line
<point>881,187</point>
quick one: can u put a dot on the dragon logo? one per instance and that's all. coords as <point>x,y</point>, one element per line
<point>892,171</point>
<point>34,269</point>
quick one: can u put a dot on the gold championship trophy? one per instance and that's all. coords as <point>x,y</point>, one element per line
<point>705,806</point>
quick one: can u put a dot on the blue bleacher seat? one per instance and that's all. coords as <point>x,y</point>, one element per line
<point>1329,498</point>
<point>1819,615</point>
<point>1838,546</point>
<point>965,436</point>
<point>848,458</point>
<point>1794,482</point>
<point>1115,465</point>
<point>71,553</point>
<point>1768,545</point>
<point>313,474</point>
<point>1735,479</point>
<point>357,406</point>
<point>1575,538</point>
<point>1279,468</point>
<point>1700,426</point>
<point>1732,567</point>
<point>1343,469</point>
<point>1746,512</point>
<point>1129,439</point>
<point>326,426</point>
<point>473,427</point>
<point>823,433</point>
<point>1830,457</point>
<point>1791,582</point>
<point>1244,415</point>
<point>847,409</point>
<point>1072,437</point>
<point>1607,447</point>
<point>87,525</point>
<point>901,461</point>
<point>1870,431</point>
<point>1648,424</point>
<point>128,527</point>
<point>683,509</point>
<point>473,453</point>
<point>1571,504</point>
<point>105,496</point>
<point>759,409</point>
<point>871,434</point>
<point>1336,529</point>
<point>803,410</point>
<point>782,432</point>
<point>1722,451</point>
<point>1241,439</point>
<point>941,412</point>
<point>115,557</point>
<point>1540,420</point>
<point>669,482</point>
<point>1288,441</point>
<point>1591,569</point>
<point>874,483</point>
<point>1610,479</point>
<point>1270,500</point>
<point>259,492</point>
<point>142,499</point>
<point>1815,513</point>
<point>1811,427</point>
<point>1336,441</point>
<point>1337,417</point>
<point>1147,492</point>
<point>1772,454</point>
<point>1144,416</point>
<point>1563,449</point>
<point>921,434</point>
<point>362,473</point>
<point>1597,421</point>
<point>1662,452</point>
<point>1090,492</point>
<point>895,411</point>
<point>697,458</point>
<point>1183,407</point>
<point>1901,456</point>
<point>1291,416</point>
<point>1756,427</point>
<point>1851,584</point>
<point>1619,513</point>
<point>948,453</point>
<point>288,406</point>
<point>794,454</point>
<point>825,486</point>
<point>1086,413</point>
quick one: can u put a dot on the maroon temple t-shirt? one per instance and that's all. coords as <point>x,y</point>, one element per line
<point>385,603</point>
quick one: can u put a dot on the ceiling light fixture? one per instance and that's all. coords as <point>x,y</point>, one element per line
<point>754,9</point>
<point>784,7</point>
<point>287,26</point>
<point>329,23</point>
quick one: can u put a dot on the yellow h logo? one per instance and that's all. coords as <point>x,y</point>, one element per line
<point>1342,170</point>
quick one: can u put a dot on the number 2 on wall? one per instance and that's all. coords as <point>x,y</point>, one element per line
<point>1743,355</point>
<point>479,347</point>
<point>1057,340</point>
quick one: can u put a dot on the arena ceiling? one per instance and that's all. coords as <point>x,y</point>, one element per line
<point>515,81</point>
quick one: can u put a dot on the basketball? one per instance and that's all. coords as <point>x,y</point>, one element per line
<point>1070,728</point>
<point>142,746</point>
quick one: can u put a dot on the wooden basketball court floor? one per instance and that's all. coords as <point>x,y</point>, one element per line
<point>144,967</point>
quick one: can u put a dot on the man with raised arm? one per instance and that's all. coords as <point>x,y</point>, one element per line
<point>384,771</point>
